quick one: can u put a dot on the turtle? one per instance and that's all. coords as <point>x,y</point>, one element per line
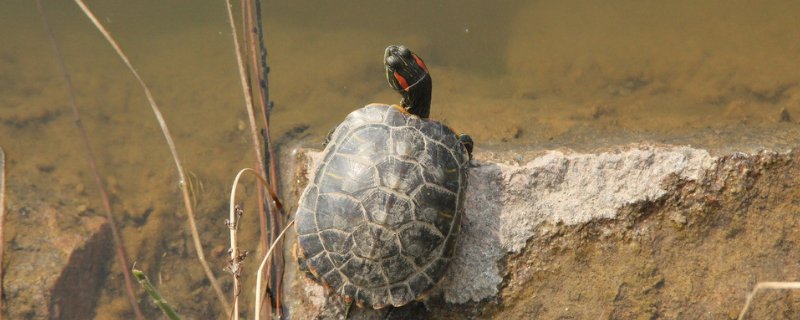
<point>379,222</point>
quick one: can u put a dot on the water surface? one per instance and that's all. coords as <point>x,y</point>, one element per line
<point>514,74</point>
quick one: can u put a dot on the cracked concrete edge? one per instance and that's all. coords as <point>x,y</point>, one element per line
<point>508,199</point>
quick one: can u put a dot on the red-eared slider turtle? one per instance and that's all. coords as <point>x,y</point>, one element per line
<point>380,220</point>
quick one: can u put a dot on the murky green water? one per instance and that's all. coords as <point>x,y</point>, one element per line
<point>545,74</point>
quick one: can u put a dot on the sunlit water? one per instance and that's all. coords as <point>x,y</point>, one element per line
<point>514,74</point>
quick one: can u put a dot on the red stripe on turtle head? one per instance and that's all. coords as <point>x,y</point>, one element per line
<point>402,81</point>
<point>420,62</point>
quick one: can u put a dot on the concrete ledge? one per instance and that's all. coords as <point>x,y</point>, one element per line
<point>519,210</point>
<point>506,202</point>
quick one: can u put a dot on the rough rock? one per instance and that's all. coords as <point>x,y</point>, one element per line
<point>525,220</point>
<point>507,202</point>
<point>56,255</point>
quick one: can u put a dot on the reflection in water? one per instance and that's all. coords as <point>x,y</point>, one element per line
<point>545,74</point>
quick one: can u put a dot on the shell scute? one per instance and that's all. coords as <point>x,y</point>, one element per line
<point>379,222</point>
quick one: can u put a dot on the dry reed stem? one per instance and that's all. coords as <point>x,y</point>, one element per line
<point>233,223</point>
<point>182,177</point>
<point>2,221</point>
<point>766,285</point>
<point>262,214</point>
<point>122,254</point>
<point>261,268</point>
<point>255,29</point>
<point>247,92</point>
<point>247,98</point>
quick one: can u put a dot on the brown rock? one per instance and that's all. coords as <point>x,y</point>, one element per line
<point>57,260</point>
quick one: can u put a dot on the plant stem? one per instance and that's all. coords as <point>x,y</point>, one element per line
<point>182,177</point>
<point>259,60</point>
<point>233,224</point>
<point>153,293</point>
<point>122,254</point>
<point>2,221</point>
<point>261,267</point>
<point>766,285</point>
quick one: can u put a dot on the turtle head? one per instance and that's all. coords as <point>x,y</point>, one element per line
<point>408,75</point>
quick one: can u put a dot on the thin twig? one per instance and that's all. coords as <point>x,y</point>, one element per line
<point>248,100</point>
<point>261,267</point>
<point>182,177</point>
<point>233,226</point>
<point>766,285</point>
<point>2,221</point>
<point>247,25</point>
<point>266,108</point>
<point>264,210</point>
<point>122,254</point>
<point>162,303</point>
<point>247,92</point>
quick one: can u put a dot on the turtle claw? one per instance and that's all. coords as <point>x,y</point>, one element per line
<point>466,140</point>
<point>328,137</point>
<point>348,304</point>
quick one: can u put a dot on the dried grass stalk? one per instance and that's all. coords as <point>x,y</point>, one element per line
<point>233,224</point>
<point>2,222</point>
<point>765,286</point>
<point>165,130</point>
<point>122,253</point>
<point>261,268</point>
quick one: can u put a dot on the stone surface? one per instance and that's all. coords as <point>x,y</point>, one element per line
<point>506,202</point>
<point>57,255</point>
<point>607,216</point>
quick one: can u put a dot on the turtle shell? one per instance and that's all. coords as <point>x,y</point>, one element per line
<point>380,220</point>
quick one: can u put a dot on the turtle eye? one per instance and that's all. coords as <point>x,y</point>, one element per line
<point>404,52</point>
<point>394,62</point>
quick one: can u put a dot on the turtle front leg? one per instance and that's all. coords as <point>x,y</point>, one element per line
<point>328,137</point>
<point>466,140</point>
